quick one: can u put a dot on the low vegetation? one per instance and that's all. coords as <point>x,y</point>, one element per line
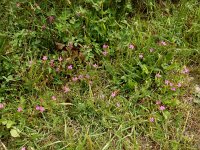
<point>99,74</point>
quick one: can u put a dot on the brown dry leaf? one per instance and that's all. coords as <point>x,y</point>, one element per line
<point>81,56</point>
<point>59,46</point>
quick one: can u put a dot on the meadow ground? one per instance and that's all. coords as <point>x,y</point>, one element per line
<point>99,75</point>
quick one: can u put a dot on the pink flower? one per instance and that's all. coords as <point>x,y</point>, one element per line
<point>18,5</point>
<point>53,97</point>
<point>44,27</point>
<point>105,46</point>
<point>162,108</point>
<point>70,45</point>
<point>66,89</point>
<point>23,148</point>
<point>37,107</point>
<point>1,106</point>
<point>95,65</point>
<point>158,102</point>
<point>185,70</point>
<point>131,46</point>
<point>105,53</point>
<point>80,77</point>
<point>151,119</point>
<point>44,58</point>
<point>163,43</point>
<point>60,59</point>
<point>51,19</point>
<point>42,109</point>
<point>114,94</point>
<point>151,50</point>
<point>74,79</point>
<point>158,75</point>
<point>173,89</point>
<point>70,67</point>
<point>141,56</point>
<point>179,85</point>
<point>19,109</point>
<point>57,69</point>
<point>167,82</point>
<point>171,84</point>
<point>30,62</point>
<point>87,76</point>
<point>118,104</point>
<point>52,63</point>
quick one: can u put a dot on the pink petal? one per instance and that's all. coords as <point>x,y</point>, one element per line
<point>1,106</point>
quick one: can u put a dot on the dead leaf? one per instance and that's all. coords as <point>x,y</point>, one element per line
<point>59,46</point>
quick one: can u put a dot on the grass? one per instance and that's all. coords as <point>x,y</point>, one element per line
<point>86,75</point>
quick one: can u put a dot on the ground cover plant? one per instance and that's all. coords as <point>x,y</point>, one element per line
<point>99,74</point>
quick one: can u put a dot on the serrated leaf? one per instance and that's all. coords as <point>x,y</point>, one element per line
<point>14,133</point>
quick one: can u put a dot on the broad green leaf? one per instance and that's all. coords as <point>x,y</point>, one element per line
<point>166,114</point>
<point>9,124</point>
<point>14,133</point>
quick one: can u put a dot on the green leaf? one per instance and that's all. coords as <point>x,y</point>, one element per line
<point>131,84</point>
<point>144,68</point>
<point>197,100</point>
<point>14,133</point>
<point>4,122</point>
<point>9,124</point>
<point>166,114</point>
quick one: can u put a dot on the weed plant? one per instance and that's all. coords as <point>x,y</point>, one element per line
<point>97,74</point>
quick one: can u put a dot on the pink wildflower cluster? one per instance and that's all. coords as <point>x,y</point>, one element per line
<point>70,67</point>
<point>74,79</point>
<point>172,85</point>
<point>105,53</point>
<point>87,76</point>
<point>51,19</point>
<point>66,89</point>
<point>23,148</point>
<point>131,46</point>
<point>95,65</point>
<point>19,109</point>
<point>44,58</point>
<point>52,63</point>
<point>80,77</point>
<point>60,59</point>
<point>151,119</point>
<point>162,43</point>
<point>114,94</point>
<point>158,75</point>
<point>105,46</point>
<point>141,56</point>
<point>40,108</point>
<point>185,70</point>
<point>18,5</point>
<point>151,50</point>
<point>53,97</point>
<point>161,107</point>
<point>44,27</point>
